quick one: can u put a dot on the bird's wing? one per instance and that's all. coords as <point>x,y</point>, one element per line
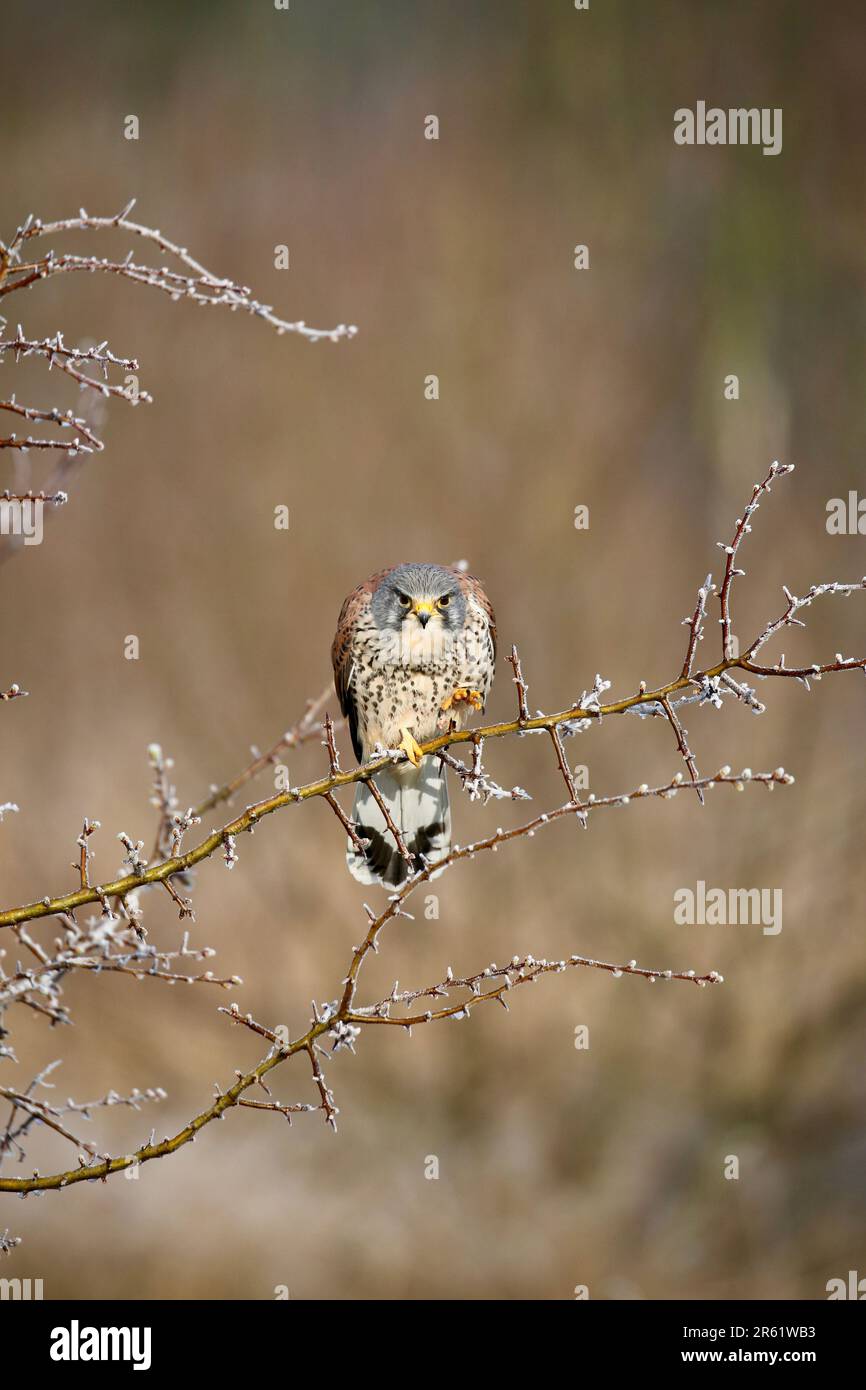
<point>473,589</point>
<point>343,651</point>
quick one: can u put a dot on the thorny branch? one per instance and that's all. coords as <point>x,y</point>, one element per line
<point>90,367</point>
<point>115,940</point>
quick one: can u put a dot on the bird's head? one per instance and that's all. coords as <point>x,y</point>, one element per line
<point>422,597</point>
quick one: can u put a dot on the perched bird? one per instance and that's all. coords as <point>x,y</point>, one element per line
<point>413,655</point>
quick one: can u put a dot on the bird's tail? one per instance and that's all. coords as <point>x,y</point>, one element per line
<point>417,802</point>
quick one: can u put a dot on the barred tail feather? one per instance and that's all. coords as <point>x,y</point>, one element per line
<point>417,802</point>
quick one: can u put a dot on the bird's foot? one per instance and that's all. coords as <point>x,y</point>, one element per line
<point>463,695</point>
<point>410,747</point>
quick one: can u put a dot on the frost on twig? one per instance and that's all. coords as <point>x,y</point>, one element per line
<point>28,1109</point>
<point>194,282</point>
<point>26,262</point>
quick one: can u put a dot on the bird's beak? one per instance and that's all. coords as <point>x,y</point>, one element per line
<point>423,611</point>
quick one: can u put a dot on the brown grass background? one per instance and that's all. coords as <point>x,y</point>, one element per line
<point>558,1167</point>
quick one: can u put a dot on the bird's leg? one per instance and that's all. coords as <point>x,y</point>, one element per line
<point>410,747</point>
<point>464,695</point>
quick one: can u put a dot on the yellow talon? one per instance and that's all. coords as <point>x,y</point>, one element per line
<point>411,748</point>
<point>463,695</point>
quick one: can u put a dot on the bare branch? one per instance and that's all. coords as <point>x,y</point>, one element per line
<point>522,708</point>
<point>305,729</point>
<point>744,525</point>
<point>682,745</point>
<point>200,286</point>
<point>696,624</point>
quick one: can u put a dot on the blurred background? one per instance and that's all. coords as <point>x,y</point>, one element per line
<point>558,387</point>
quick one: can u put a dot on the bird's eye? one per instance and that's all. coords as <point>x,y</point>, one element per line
<point>444,601</point>
<point>404,600</point>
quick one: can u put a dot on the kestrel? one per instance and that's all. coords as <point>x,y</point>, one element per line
<point>413,655</point>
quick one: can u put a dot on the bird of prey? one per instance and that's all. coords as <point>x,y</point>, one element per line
<point>413,654</point>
